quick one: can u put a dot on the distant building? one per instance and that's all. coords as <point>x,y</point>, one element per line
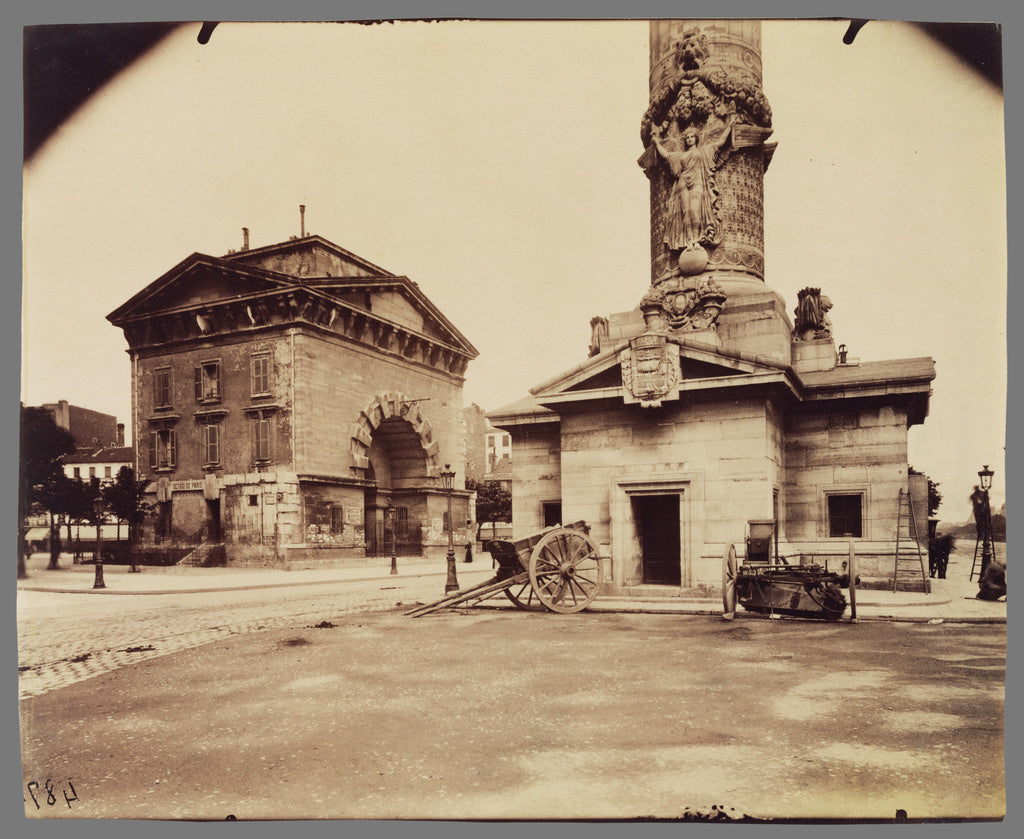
<point>284,396</point>
<point>477,427</point>
<point>91,429</point>
<point>499,448</point>
<point>103,463</point>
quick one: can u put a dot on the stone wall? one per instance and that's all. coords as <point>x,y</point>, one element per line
<point>229,411</point>
<point>723,457</point>
<point>538,475</point>
<point>335,382</point>
<point>854,450</point>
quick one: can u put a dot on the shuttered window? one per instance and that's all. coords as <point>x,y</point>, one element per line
<point>162,387</point>
<point>162,448</point>
<point>261,375</point>
<point>207,381</point>
<point>211,445</point>
<point>261,439</point>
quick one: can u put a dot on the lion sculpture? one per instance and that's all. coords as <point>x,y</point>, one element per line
<point>811,311</point>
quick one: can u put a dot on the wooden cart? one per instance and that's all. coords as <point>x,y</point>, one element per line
<point>767,584</point>
<point>559,568</point>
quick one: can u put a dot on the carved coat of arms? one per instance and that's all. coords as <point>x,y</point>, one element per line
<point>650,370</point>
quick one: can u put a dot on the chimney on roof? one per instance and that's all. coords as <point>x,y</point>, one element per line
<point>302,221</point>
<point>245,238</point>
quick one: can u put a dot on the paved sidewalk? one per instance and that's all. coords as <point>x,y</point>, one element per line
<point>951,600</point>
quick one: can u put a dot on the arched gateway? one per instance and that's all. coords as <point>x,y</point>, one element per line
<point>393,450</point>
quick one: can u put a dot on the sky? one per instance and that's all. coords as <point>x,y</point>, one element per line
<point>494,163</point>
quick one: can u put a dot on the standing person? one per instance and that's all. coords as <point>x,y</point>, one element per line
<point>469,552</point>
<point>982,522</point>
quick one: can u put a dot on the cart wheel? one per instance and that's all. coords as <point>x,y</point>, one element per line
<point>522,595</point>
<point>565,570</point>
<point>729,566</point>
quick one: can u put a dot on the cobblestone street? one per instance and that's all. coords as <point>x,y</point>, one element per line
<point>65,638</point>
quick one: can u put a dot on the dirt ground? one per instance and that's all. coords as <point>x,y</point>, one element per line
<point>512,715</point>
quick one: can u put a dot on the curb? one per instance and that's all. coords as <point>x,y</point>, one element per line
<point>256,587</point>
<point>655,606</point>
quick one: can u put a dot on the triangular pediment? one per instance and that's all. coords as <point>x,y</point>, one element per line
<point>198,280</point>
<point>310,256</point>
<point>699,367</point>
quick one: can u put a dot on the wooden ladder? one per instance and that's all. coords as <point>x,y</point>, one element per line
<point>979,549</point>
<point>910,572</point>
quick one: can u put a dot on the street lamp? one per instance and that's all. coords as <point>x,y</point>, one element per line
<point>985,525</point>
<point>985,475</point>
<point>390,513</point>
<point>97,508</point>
<point>448,482</point>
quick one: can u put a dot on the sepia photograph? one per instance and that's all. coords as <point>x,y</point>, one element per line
<point>513,420</point>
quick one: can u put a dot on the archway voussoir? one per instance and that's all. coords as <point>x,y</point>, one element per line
<point>361,434</point>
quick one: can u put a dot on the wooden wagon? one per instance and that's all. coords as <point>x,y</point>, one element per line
<point>559,568</point>
<point>770,585</point>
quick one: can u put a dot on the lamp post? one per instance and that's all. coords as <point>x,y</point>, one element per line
<point>97,508</point>
<point>448,482</point>
<point>390,513</point>
<point>985,525</point>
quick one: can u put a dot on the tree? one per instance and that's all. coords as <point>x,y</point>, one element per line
<point>493,504</point>
<point>934,496</point>
<point>59,496</point>
<point>43,445</point>
<point>126,499</point>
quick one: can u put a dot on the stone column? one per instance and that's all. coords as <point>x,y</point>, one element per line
<point>706,82</point>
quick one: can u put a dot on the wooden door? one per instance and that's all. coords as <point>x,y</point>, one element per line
<point>658,526</point>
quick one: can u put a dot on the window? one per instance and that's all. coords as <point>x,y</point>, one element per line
<point>78,472</point>
<point>211,445</point>
<point>845,516</point>
<point>337,519</point>
<point>92,471</point>
<point>162,448</point>
<point>106,472</point>
<point>261,374</point>
<point>552,512</point>
<point>254,500</point>
<point>162,387</point>
<point>261,439</point>
<point>207,381</point>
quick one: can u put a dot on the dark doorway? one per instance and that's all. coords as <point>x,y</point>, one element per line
<point>373,535</point>
<point>657,518</point>
<point>163,519</point>
<point>213,521</point>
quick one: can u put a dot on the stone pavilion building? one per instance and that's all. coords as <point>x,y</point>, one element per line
<point>706,407</point>
<point>283,397</point>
